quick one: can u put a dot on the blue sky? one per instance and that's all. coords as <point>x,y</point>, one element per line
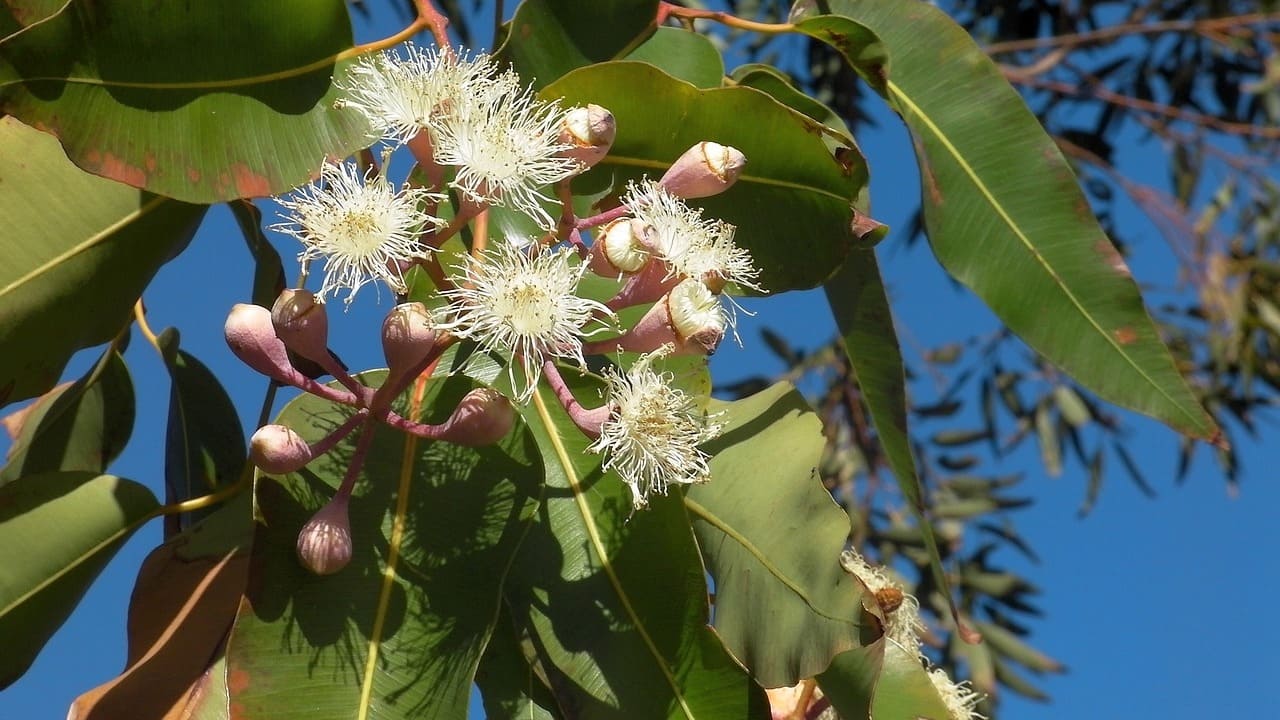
<point>1160,608</point>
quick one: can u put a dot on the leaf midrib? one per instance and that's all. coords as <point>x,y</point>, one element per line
<point>702,512</point>
<point>902,97</point>
<point>593,534</point>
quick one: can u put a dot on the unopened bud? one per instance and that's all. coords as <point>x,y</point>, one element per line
<point>324,544</point>
<point>620,248</point>
<point>277,449</point>
<point>705,169</point>
<point>590,130</point>
<point>407,337</point>
<point>252,338</point>
<point>483,417</point>
<point>688,319</point>
<point>302,324</point>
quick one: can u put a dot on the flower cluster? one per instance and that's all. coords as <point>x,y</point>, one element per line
<point>481,139</point>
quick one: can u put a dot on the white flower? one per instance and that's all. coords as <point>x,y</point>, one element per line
<point>522,305</point>
<point>958,697</point>
<point>401,96</point>
<point>653,432</point>
<point>902,611</point>
<point>692,246</point>
<point>362,227</point>
<point>506,151</point>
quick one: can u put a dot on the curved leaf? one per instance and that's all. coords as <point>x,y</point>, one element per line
<point>615,603</point>
<point>509,685</point>
<point>792,204</point>
<point>861,308</point>
<point>82,426</point>
<point>1003,211</point>
<point>900,686</point>
<point>398,632</point>
<point>547,38</point>
<point>147,92</point>
<point>682,54</point>
<point>784,606</point>
<point>57,532</point>
<point>204,444</point>
<point>78,253</point>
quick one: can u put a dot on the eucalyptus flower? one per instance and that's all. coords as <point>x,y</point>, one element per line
<point>524,305</point>
<point>901,610</point>
<point>653,432</point>
<point>359,225</point>
<point>958,697</point>
<point>691,245</point>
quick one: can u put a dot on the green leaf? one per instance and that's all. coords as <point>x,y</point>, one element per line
<point>902,688</point>
<point>615,602</point>
<point>57,532</point>
<point>79,252</point>
<point>547,38</point>
<point>861,308</point>
<point>204,444</point>
<point>1003,210</point>
<point>509,685</point>
<point>268,270</point>
<point>82,426</point>
<point>682,54</point>
<point>792,187</point>
<point>399,632</point>
<point>200,102</point>
<point>773,81</point>
<point>772,541</point>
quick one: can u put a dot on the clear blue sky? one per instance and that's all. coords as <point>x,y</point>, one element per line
<point>1160,608</point>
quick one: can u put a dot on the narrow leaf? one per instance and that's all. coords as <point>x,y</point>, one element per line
<point>57,532</point>
<point>1003,211</point>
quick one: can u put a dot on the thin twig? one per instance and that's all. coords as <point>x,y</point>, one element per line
<point>1128,29</point>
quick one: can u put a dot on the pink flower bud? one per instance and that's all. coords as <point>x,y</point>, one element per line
<point>705,169</point>
<point>590,130</point>
<point>277,449</point>
<point>483,417</point>
<point>302,324</point>
<point>324,544</point>
<point>621,248</point>
<point>252,338</point>
<point>688,318</point>
<point>407,337</point>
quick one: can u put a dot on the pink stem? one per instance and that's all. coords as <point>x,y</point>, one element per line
<point>589,421</point>
<point>602,218</point>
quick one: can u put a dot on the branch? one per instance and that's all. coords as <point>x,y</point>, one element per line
<point>1206,26</point>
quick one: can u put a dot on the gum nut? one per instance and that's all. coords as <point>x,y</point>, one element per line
<point>705,169</point>
<point>324,544</point>
<point>277,449</point>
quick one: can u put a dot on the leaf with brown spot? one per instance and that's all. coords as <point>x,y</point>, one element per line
<point>144,92</point>
<point>1002,207</point>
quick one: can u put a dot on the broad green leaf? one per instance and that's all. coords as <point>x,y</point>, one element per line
<point>179,614</point>
<point>861,308</point>
<point>768,79</point>
<point>204,445</point>
<point>78,253</point>
<point>547,38</point>
<point>82,426</point>
<point>201,101</point>
<point>616,602</point>
<point>772,538</point>
<point>682,54</point>
<point>509,685</point>
<point>792,188</point>
<point>399,632</point>
<point>889,680</point>
<point>1003,211</point>
<point>57,532</point>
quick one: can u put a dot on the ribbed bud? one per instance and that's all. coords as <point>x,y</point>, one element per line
<point>620,248</point>
<point>407,337</point>
<point>252,338</point>
<point>302,324</point>
<point>324,544</point>
<point>705,169</point>
<point>483,417</point>
<point>590,130</point>
<point>277,449</point>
